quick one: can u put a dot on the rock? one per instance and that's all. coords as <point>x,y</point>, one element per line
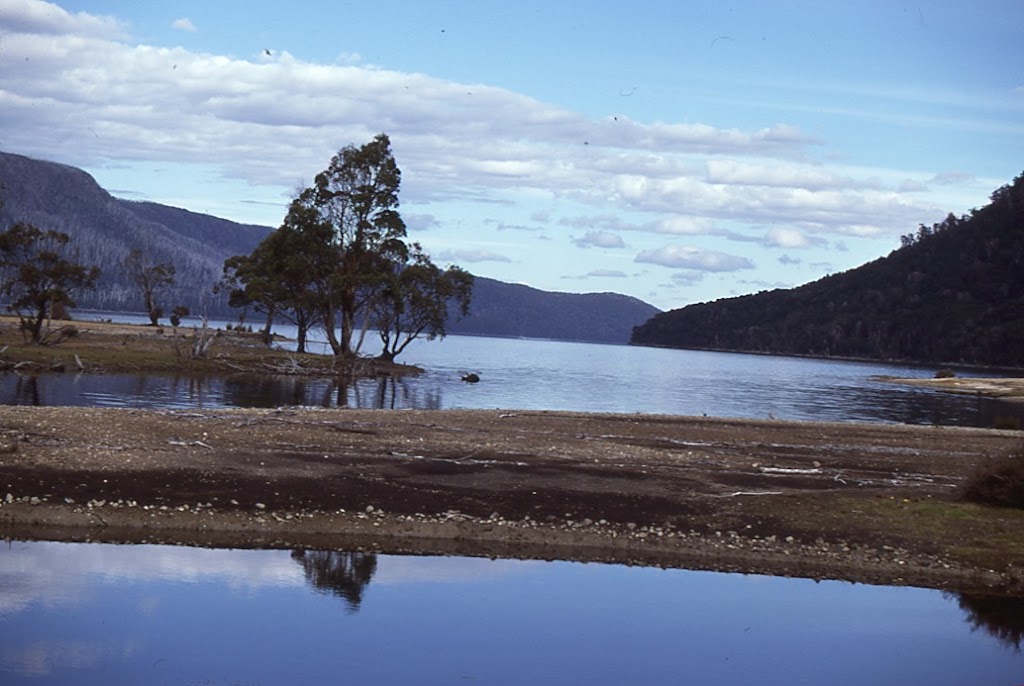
<point>471,378</point>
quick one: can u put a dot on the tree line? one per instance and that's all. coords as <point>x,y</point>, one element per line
<point>951,293</point>
<point>340,261</point>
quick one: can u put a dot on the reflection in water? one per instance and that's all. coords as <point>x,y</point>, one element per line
<point>999,616</point>
<point>339,573</point>
<point>26,391</point>
<point>554,375</point>
<point>84,614</point>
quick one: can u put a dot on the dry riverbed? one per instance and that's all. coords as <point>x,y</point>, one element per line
<point>862,502</point>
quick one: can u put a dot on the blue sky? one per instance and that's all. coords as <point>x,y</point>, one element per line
<point>676,152</point>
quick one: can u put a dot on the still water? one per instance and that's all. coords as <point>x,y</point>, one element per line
<point>556,375</point>
<point>104,614</point>
<point>101,614</point>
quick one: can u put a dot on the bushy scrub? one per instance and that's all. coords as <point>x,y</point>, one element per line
<point>998,482</point>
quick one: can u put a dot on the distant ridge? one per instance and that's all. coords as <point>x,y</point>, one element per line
<point>954,293</point>
<point>105,229</point>
<point>504,309</point>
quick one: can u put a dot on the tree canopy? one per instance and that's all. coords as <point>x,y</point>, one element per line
<point>340,260</point>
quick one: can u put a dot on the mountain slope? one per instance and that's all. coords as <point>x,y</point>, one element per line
<point>954,294</point>
<point>505,309</point>
<point>105,229</point>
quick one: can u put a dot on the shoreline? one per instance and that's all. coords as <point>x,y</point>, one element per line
<point>1010,389</point>
<point>855,502</point>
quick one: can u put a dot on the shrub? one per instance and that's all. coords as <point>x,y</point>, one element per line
<point>945,374</point>
<point>998,482</point>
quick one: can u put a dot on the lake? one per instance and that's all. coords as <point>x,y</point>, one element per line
<point>105,614</point>
<point>557,375</point>
<point>102,614</point>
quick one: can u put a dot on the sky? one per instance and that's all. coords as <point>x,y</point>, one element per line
<point>676,152</point>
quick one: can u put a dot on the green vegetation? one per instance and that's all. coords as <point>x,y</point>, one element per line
<point>105,230</point>
<point>39,276</point>
<point>341,260</point>
<point>953,293</point>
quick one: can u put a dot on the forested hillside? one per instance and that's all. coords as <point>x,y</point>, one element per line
<point>953,293</point>
<point>505,309</point>
<point>105,229</point>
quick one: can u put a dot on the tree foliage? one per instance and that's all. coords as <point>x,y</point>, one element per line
<point>151,279</point>
<point>952,293</point>
<point>340,260</point>
<point>416,300</point>
<point>282,276</point>
<point>39,275</point>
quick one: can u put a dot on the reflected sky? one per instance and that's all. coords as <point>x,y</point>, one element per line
<point>91,614</point>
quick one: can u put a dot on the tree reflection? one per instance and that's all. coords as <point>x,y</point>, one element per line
<point>264,391</point>
<point>1000,616</point>
<point>26,391</point>
<point>344,574</point>
<point>381,393</point>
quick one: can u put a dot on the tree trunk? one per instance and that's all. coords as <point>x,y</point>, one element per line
<point>329,329</point>
<point>266,334</point>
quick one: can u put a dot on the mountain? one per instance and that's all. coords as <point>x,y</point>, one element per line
<point>105,229</point>
<point>953,293</point>
<point>505,309</point>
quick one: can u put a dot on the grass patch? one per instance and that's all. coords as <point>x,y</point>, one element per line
<point>98,347</point>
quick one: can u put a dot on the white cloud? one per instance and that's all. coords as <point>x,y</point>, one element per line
<point>34,17</point>
<point>184,24</point>
<point>691,257</point>
<point>471,255</point>
<point>951,178</point>
<point>684,225</point>
<point>599,274</point>
<point>780,237</point>
<point>599,239</point>
<point>419,222</point>
<point>88,96</point>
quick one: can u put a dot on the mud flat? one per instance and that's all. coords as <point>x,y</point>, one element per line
<point>861,502</point>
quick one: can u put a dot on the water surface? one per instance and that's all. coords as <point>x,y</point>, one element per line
<point>102,614</point>
<point>556,375</point>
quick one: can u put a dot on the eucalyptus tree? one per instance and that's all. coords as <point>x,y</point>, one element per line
<point>340,260</point>
<point>284,274</point>
<point>151,279</point>
<point>357,197</point>
<point>417,300</point>
<point>39,274</point>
